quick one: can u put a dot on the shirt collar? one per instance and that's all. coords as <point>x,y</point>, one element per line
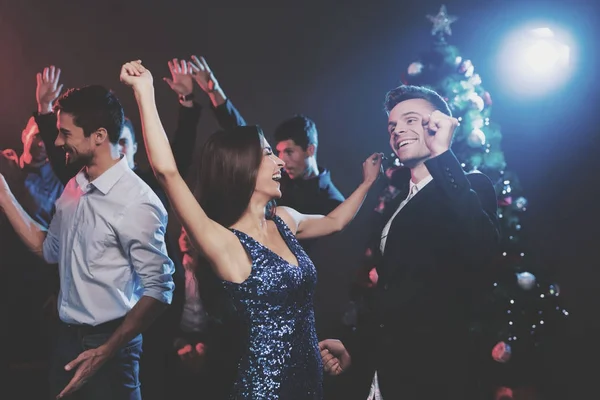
<point>415,187</point>
<point>106,181</point>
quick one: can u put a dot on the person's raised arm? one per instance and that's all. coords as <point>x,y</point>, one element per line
<point>314,226</point>
<point>212,239</point>
<point>227,115</point>
<point>47,91</point>
<point>184,139</point>
<point>29,231</point>
<point>470,200</point>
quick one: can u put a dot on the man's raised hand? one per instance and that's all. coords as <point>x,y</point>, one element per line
<point>181,81</point>
<point>203,75</point>
<point>441,129</point>
<point>48,88</point>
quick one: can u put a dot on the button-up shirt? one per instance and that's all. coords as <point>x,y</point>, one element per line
<point>108,238</point>
<point>194,317</point>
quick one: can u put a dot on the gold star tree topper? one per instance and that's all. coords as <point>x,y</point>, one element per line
<point>442,21</point>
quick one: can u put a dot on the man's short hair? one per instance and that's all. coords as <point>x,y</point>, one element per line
<point>299,128</point>
<point>408,92</point>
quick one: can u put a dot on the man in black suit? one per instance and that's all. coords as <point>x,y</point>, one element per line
<point>432,251</point>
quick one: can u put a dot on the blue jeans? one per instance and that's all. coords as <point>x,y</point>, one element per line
<point>117,379</point>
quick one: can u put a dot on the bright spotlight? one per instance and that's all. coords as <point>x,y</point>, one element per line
<point>535,61</point>
<point>542,53</point>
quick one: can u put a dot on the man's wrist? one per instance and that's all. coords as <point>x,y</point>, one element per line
<point>44,109</point>
<point>186,97</point>
<point>216,89</point>
<point>107,350</point>
<point>217,97</point>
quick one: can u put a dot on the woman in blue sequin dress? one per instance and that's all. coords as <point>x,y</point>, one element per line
<point>252,247</point>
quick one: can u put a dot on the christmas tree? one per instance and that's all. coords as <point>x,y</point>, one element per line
<point>523,309</point>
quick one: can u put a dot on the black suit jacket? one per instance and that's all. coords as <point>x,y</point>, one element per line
<point>432,275</point>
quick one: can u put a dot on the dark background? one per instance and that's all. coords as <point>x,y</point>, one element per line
<point>334,63</point>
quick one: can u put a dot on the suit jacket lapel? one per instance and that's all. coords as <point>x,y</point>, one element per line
<point>421,196</point>
<point>393,205</point>
<point>409,215</point>
<point>390,209</point>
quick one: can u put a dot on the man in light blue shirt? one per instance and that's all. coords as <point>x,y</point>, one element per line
<point>108,238</point>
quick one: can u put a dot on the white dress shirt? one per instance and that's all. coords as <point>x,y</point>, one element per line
<point>375,394</point>
<point>108,238</point>
<point>193,317</point>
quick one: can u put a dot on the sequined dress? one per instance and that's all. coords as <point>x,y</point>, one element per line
<point>281,359</point>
